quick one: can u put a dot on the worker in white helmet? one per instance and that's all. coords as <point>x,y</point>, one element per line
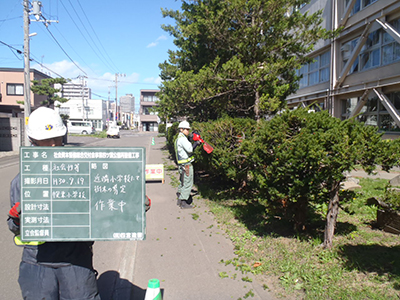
<point>184,156</point>
<point>51,270</point>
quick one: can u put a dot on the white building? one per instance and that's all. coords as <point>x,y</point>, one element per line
<point>76,91</point>
<point>90,110</point>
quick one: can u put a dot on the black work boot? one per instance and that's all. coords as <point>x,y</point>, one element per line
<point>185,205</point>
<point>178,201</point>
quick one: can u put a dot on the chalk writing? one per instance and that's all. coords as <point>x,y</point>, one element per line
<point>81,194</point>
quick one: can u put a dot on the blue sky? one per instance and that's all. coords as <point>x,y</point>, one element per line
<point>99,38</point>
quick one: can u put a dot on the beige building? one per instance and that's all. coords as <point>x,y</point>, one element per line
<point>12,91</point>
<point>148,119</point>
<point>358,72</point>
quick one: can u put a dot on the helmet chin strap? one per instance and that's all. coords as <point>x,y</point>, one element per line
<point>33,142</point>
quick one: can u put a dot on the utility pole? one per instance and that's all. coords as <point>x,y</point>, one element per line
<point>83,96</point>
<point>108,106</point>
<point>116,95</point>
<point>36,11</point>
<point>27,71</point>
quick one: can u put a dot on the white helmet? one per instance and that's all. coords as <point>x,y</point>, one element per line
<point>184,124</point>
<point>44,123</point>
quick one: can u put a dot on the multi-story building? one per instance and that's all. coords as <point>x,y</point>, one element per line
<point>358,72</point>
<point>127,109</point>
<point>12,91</point>
<point>91,110</point>
<point>148,119</point>
<point>76,91</point>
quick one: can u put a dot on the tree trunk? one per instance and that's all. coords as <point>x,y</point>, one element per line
<point>331,216</point>
<point>257,107</point>
<point>300,215</point>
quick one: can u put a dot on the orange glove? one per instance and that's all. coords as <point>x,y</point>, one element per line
<point>15,213</point>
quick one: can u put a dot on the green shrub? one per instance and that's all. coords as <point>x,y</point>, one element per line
<point>171,135</point>
<point>161,128</point>
<point>227,161</point>
<point>392,198</point>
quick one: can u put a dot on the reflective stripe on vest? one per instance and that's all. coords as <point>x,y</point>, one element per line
<point>187,160</point>
<point>18,242</point>
<point>182,161</point>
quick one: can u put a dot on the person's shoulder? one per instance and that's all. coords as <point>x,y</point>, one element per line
<point>16,181</point>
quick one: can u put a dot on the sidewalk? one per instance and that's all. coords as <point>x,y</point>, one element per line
<point>184,249</point>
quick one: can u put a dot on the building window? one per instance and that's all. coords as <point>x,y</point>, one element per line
<point>359,5</point>
<point>370,54</point>
<point>374,112</point>
<point>150,98</point>
<point>147,110</point>
<point>15,89</point>
<point>390,48</point>
<point>379,49</point>
<point>316,71</point>
<point>304,79</point>
<point>64,111</point>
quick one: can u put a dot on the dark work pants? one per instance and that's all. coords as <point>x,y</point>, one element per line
<point>71,282</point>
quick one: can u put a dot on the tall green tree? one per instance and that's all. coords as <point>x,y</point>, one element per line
<point>235,57</point>
<point>46,87</point>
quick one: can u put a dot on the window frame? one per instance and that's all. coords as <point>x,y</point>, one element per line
<point>312,71</point>
<point>15,85</point>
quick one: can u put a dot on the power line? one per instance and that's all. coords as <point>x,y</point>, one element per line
<point>65,51</point>
<point>10,19</point>
<point>97,36</point>
<point>15,5</point>
<point>12,48</point>
<point>76,25</point>
<point>75,51</point>
<point>31,59</point>
<point>100,96</point>
<point>88,31</point>
<point>123,81</point>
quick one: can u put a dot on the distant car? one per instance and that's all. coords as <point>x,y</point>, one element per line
<point>113,132</point>
<point>80,127</point>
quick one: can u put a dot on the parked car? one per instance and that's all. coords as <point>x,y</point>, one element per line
<point>80,127</point>
<point>113,131</point>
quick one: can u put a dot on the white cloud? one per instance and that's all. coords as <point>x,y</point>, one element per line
<point>160,38</point>
<point>155,80</point>
<point>62,68</point>
<point>153,44</point>
<point>99,83</point>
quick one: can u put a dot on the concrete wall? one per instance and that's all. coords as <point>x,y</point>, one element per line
<point>12,131</point>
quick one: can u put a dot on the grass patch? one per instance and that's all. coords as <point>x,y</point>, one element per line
<point>363,264</point>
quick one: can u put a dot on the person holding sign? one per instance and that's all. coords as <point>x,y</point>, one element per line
<point>50,270</point>
<point>184,156</point>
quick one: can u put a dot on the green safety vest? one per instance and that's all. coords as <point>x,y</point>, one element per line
<point>19,242</point>
<point>182,161</point>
